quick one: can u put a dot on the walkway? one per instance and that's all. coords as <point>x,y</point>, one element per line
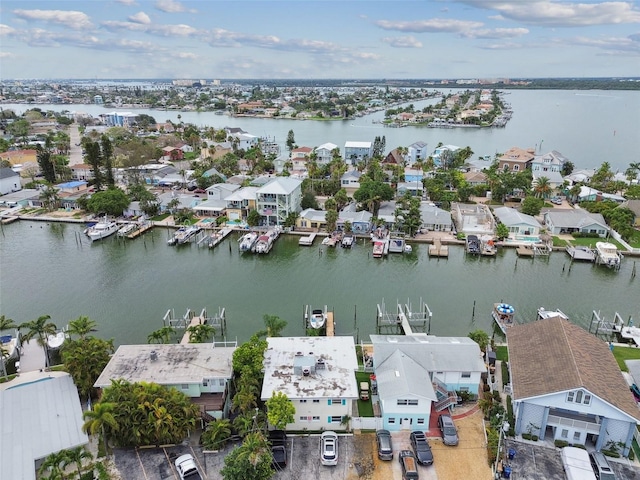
<point>32,357</point>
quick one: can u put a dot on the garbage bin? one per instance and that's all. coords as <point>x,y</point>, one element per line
<point>506,472</point>
<point>512,453</point>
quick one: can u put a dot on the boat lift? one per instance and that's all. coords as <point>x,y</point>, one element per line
<point>405,318</point>
<point>603,326</point>
<point>218,320</point>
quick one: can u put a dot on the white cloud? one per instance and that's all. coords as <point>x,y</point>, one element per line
<point>496,33</point>
<point>127,2</point>
<point>6,55</point>
<point>180,30</point>
<point>403,42</point>
<point>184,55</point>
<point>140,17</point>
<point>434,25</point>
<point>614,45</point>
<point>72,19</point>
<point>224,38</point>
<point>171,6</point>
<point>563,14</point>
<point>6,30</point>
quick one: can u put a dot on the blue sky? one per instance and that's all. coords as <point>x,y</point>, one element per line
<point>318,39</point>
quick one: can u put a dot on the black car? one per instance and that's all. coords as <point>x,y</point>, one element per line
<point>421,448</point>
<point>278,441</point>
<point>385,448</point>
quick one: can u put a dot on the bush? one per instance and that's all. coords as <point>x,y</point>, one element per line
<point>528,436</point>
<point>510,418</point>
<point>560,443</point>
<point>584,235</point>
<point>579,445</point>
<point>496,396</point>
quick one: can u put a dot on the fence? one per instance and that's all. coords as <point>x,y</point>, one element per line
<point>366,423</point>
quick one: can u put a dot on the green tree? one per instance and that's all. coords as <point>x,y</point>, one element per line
<point>532,205</point>
<point>111,202</point>
<point>309,200</point>
<point>250,461</point>
<point>481,338</point>
<point>39,328</point>
<point>216,434</point>
<point>502,231</point>
<point>201,333</point>
<point>50,197</point>
<point>76,456</point>
<point>6,323</point>
<point>280,410</point>
<point>341,198</point>
<point>162,335</point>
<point>274,326</point>
<point>291,141</point>
<point>46,163</point>
<point>250,355</point>
<point>81,326</point>
<point>371,193</point>
<point>85,359</point>
<point>331,218</point>
<point>52,465</point>
<point>107,160</point>
<point>93,157</point>
<point>97,419</point>
<point>542,187</point>
<point>253,218</point>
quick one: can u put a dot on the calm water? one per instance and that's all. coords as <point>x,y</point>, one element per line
<point>128,286</point>
<point>588,127</point>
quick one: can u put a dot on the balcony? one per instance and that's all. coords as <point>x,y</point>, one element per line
<point>575,422</point>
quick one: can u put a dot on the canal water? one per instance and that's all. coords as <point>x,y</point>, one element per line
<point>127,286</point>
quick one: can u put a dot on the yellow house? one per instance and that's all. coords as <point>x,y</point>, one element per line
<point>19,157</point>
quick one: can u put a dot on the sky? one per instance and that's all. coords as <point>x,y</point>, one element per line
<point>329,39</point>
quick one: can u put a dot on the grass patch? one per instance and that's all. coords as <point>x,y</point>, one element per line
<point>364,408</point>
<point>625,353</point>
<point>558,242</point>
<point>159,218</point>
<point>502,353</point>
<point>634,241</point>
<point>591,242</point>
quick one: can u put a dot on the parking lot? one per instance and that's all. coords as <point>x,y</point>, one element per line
<point>533,462</point>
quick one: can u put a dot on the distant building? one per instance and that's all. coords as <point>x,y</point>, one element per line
<point>516,160</point>
<point>9,181</point>
<point>357,152</point>
<point>97,99</point>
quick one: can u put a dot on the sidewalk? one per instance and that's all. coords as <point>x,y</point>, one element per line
<point>32,357</point>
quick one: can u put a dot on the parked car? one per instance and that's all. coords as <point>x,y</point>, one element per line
<point>329,448</point>
<point>199,190</point>
<point>601,466</point>
<point>556,200</point>
<point>448,430</point>
<point>408,465</point>
<point>186,467</point>
<point>278,441</point>
<point>385,447</point>
<point>421,448</point>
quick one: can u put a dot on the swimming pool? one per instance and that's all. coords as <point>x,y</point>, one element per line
<point>208,220</point>
<point>523,239</point>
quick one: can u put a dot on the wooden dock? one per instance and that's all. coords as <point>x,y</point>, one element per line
<point>196,320</point>
<point>525,251</point>
<point>140,231</point>
<point>437,249</point>
<point>308,240</point>
<point>8,220</point>
<point>330,325</point>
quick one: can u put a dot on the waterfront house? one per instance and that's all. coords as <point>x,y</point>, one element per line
<point>444,154</point>
<point>475,219</point>
<point>278,198</point>
<point>418,375</point>
<point>434,218</point>
<point>40,414</point>
<point>311,219</point>
<point>515,159</point>
<point>559,221</point>
<point>517,222</point>
<point>299,158</point>
<point>9,181</point>
<point>27,197</point>
<point>567,386</point>
<point>240,203</point>
<point>357,152</point>
<point>417,151</point>
<point>324,153</point>
<point>81,171</point>
<point>550,166</point>
<point>634,206</point>
<point>588,194</point>
<point>361,221</point>
<point>317,374</point>
<point>199,370</point>
<point>350,181</point>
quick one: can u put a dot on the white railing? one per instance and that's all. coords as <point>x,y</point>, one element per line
<point>366,423</point>
<point>589,427</point>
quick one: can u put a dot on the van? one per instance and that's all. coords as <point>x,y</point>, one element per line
<point>576,463</point>
<point>364,391</point>
<point>601,466</point>
<point>408,464</point>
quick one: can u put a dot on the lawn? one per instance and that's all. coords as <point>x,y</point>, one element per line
<point>365,408</point>
<point>634,241</point>
<point>159,218</point>
<point>625,353</point>
<point>502,353</point>
<point>591,242</point>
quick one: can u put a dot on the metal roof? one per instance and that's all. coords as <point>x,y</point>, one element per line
<point>40,414</point>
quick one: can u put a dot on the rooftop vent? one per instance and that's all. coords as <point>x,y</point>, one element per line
<point>154,355</point>
<point>298,354</point>
<point>306,371</point>
<point>310,353</point>
<point>320,365</point>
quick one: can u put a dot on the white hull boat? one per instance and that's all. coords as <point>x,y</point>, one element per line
<point>101,230</point>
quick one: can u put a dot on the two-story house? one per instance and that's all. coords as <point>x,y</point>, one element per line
<point>444,154</point>
<point>567,386</point>
<point>299,158</point>
<point>418,375</point>
<point>515,160</point>
<point>357,152</point>
<point>241,202</point>
<point>278,198</point>
<point>350,181</point>
<point>416,151</point>
<point>324,153</point>
<point>199,370</point>
<point>549,166</point>
<point>317,374</point>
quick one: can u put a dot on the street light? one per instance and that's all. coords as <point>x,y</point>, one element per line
<point>504,428</point>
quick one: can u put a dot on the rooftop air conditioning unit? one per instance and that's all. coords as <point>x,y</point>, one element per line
<point>306,371</point>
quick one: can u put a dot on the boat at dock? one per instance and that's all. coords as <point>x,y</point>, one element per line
<point>126,229</point>
<point>10,346</point>
<point>183,235</point>
<point>347,240</point>
<point>332,240</point>
<point>503,315</point>
<point>473,244</point>
<point>102,229</point>
<point>55,341</point>
<point>265,242</point>
<point>607,254</point>
<point>317,318</point>
<point>217,236</point>
<point>247,241</point>
<point>396,245</point>
<point>488,246</point>
<point>581,253</point>
<point>543,314</point>
<point>379,247</point>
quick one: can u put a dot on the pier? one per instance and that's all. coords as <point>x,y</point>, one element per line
<point>405,319</point>
<point>330,325</point>
<point>189,319</point>
<point>143,228</point>
<point>437,249</point>
<point>583,254</point>
<point>308,240</point>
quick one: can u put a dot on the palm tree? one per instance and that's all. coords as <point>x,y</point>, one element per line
<point>76,456</point>
<point>274,326</point>
<point>81,326</point>
<point>253,448</point>
<point>52,465</point>
<point>216,434</point>
<point>96,419</point>
<point>50,197</point>
<point>6,323</point>
<point>542,187</point>
<point>41,328</point>
<point>200,333</point>
<point>163,335</point>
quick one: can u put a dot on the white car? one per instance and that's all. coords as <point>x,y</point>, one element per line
<point>186,467</point>
<point>329,448</point>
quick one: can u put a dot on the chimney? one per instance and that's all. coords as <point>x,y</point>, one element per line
<point>154,355</point>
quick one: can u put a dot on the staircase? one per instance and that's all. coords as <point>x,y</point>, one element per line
<point>445,398</point>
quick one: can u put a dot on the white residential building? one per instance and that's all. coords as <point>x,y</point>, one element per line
<point>278,198</point>
<point>357,152</point>
<point>324,153</point>
<point>317,374</point>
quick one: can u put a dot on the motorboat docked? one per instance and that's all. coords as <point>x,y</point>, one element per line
<point>318,317</point>
<point>333,239</point>
<point>488,246</point>
<point>9,345</point>
<point>378,248</point>
<point>265,242</point>
<point>56,340</point>
<point>183,235</point>
<point>503,315</point>
<point>126,229</point>
<point>347,240</point>
<point>217,236</point>
<point>246,241</point>
<point>473,244</point>
<point>543,313</point>
<point>396,245</point>
<point>607,254</point>
<point>101,229</point>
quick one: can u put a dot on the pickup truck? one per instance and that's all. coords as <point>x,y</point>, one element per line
<point>187,469</point>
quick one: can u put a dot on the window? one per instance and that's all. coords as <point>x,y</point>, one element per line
<point>205,383</point>
<point>184,386</point>
<point>570,396</point>
<point>221,382</point>
<point>303,419</point>
<point>516,168</point>
<point>578,396</point>
<point>392,421</point>
<point>587,399</point>
<point>316,401</point>
<point>402,402</point>
<point>315,418</point>
<point>421,421</point>
<point>413,402</point>
<point>335,401</point>
<point>303,401</point>
<point>564,433</point>
<point>336,419</point>
<point>466,375</point>
<point>576,436</point>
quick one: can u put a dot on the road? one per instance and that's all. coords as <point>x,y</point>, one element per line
<point>75,152</point>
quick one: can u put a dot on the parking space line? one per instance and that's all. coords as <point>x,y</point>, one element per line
<point>141,465</point>
<point>198,462</point>
<point>171,465</point>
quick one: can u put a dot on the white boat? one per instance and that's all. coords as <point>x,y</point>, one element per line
<point>217,236</point>
<point>265,242</point>
<point>347,240</point>
<point>247,241</point>
<point>318,318</point>
<point>503,314</point>
<point>607,254</point>
<point>10,345</point>
<point>56,340</point>
<point>543,313</point>
<point>183,235</point>
<point>126,229</point>
<point>101,229</point>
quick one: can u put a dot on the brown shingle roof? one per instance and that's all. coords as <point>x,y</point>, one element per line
<point>554,355</point>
